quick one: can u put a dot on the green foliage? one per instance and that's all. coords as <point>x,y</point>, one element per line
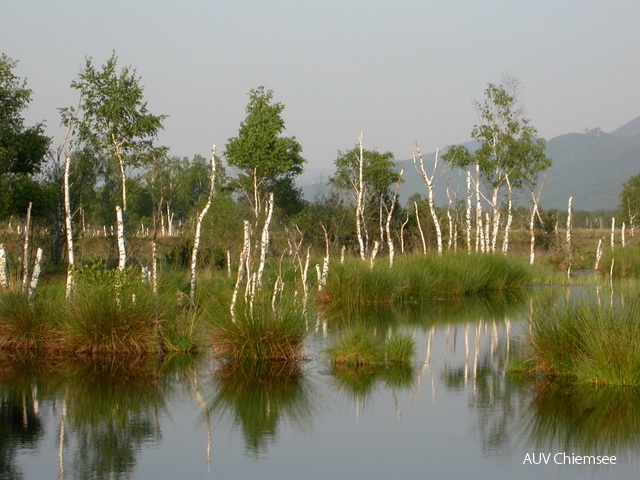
<point>587,344</point>
<point>378,171</point>
<point>22,327</point>
<point>358,347</point>
<point>508,142</point>
<point>630,198</point>
<point>114,119</point>
<point>267,161</point>
<point>417,279</point>
<point>259,335</point>
<point>626,262</point>
<point>22,149</point>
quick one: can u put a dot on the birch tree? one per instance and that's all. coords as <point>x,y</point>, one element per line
<point>267,161</point>
<point>429,179</point>
<point>201,215</point>
<point>115,121</point>
<point>368,176</point>
<point>509,152</point>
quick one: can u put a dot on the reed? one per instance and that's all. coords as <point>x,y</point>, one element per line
<point>259,334</point>
<point>417,279</point>
<point>399,349</point>
<point>358,347</point>
<point>587,344</point>
<point>625,261</point>
<point>110,313</point>
<point>22,324</point>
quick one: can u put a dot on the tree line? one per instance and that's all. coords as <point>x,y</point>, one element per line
<point>113,163</point>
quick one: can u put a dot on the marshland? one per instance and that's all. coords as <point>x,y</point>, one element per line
<point>164,317</point>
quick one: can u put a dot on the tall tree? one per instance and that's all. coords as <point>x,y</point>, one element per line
<point>509,152</point>
<point>268,162</point>
<point>22,149</point>
<point>114,117</point>
<point>369,175</point>
<point>115,121</point>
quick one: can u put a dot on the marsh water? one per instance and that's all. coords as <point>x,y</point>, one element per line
<point>456,413</point>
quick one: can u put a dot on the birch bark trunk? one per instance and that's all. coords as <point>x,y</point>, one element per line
<point>196,240</point>
<point>4,279</point>
<point>68,227</point>
<point>25,249</point>
<point>429,180</point>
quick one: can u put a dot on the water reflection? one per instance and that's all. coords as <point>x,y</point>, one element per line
<point>108,410</point>
<point>20,428</point>
<point>258,399</point>
<point>594,420</point>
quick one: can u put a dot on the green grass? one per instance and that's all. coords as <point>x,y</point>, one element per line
<point>259,335</point>
<point>417,279</point>
<point>22,326</point>
<point>587,344</point>
<point>358,347</point>
<point>626,262</point>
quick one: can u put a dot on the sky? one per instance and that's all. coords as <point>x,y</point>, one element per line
<point>399,71</point>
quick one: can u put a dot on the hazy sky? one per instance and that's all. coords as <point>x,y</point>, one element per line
<point>401,71</point>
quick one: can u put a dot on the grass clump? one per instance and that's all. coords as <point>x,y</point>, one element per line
<point>587,344</point>
<point>359,348</point>
<point>109,313</point>
<point>22,324</point>
<point>418,279</point>
<point>259,334</point>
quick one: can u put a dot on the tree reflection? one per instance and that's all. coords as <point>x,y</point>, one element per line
<point>112,409</point>
<point>108,408</point>
<point>259,397</point>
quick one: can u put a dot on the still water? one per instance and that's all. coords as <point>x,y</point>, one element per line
<point>454,414</point>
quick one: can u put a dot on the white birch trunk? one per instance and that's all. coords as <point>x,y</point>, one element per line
<point>25,249</point>
<point>228,264</point>
<point>4,278</point>
<point>495,225</point>
<point>360,201</point>
<point>622,232</point>
<point>305,286</point>
<point>404,224</point>
<point>37,266</point>
<point>389,215</point>
<point>569,227</point>
<point>374,253</point>
<point>468,212</point>
<point>429,180</point>
<point>68,227</point>
<point>264,243</point>
<point>613,232</point>
<point>424,243</point>
<point>507,228</point>
<point>196,240</point>
<point>122,254</point>
<point>169,220</point>
<point>598,255</point>
<point>535,212</point>
<point>242,265</point>
<point>532,232</point>
<point>479,230</point>
<point>154,268</point>
<point>325,262</point>
<point>342,253</point>
<point>449,219</point>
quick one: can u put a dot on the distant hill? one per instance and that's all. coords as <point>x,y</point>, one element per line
<point>629,129</point>
<point>591,167</point>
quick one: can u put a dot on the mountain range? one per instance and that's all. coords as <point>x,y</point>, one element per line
<point>590,166</point>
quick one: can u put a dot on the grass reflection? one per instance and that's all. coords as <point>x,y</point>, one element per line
<point>258,398</point>
<point>108,408</point>
<point>593,420</point>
